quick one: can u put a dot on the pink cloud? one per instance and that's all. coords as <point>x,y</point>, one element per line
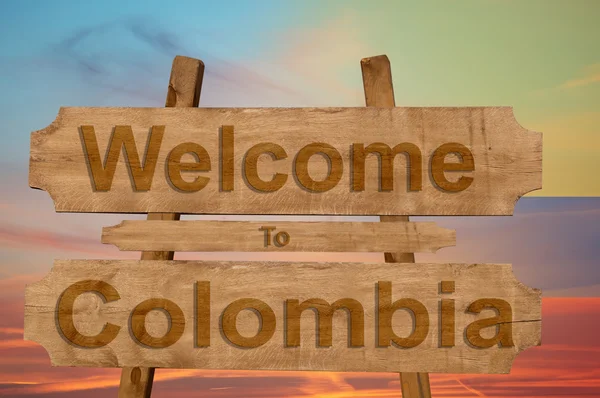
<point>14,236</point>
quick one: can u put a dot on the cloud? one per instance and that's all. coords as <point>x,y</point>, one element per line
<point>584,81</point>
<point>550,242</point>
<point>558,214</point>
<point>168,44</point>
<point>579,291</point>
<point>18,236</point>
<point>590,75</point>
<point>326,59</point>
<point>470,389</point>
<point>17,331</point>
<point>16,343</point>
<point>15,286</point>
<point>129,55</point>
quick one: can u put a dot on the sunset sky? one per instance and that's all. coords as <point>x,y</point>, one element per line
<point>540,56</point>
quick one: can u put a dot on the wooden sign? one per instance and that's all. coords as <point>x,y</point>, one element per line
<point>345,161</point>
<point>244,236</point>
<point>452,318</point>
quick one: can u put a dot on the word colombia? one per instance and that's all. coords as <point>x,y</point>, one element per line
<point>142,174</point>
<point>384,335</point>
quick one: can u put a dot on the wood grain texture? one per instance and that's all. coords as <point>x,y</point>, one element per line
<point>507,160</point>
<point>246,236</point>
<point>379,92</point>
<point>272,283</point>
<point>185,84</point>
<point>415,385</point>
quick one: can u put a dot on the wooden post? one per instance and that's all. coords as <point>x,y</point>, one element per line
<point>184,89</point>
<point>379,91</point>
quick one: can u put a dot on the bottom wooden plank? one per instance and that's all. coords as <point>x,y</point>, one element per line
<point>450,318</point>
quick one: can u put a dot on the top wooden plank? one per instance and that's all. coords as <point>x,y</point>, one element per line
<point>450,161</point>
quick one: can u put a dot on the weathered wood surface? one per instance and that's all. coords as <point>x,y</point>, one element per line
<point>185,85</point>
<point>273,283</point>
<point>505,156</point>
<point>379,92</point>
<point>250,236</point>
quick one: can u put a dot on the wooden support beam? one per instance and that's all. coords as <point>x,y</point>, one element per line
<point>185,84</point>
<point>379,92</point>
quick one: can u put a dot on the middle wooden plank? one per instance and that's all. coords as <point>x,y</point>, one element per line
<point>250,236</point>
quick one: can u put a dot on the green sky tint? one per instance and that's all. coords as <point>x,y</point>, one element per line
<point>541,57</point>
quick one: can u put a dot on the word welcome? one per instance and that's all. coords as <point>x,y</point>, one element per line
<point>142,174</point>
<point>384,333</point>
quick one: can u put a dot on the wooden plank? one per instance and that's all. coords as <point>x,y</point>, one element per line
<point>506,159</point>
<point>185,84</point>
<point>212,325</point>
<point>247,236</point>
<point>379,92</point>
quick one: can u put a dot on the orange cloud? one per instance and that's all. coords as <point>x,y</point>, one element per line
<point>552,306</point>
<point>11,331</point>
<point>591,75</point>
